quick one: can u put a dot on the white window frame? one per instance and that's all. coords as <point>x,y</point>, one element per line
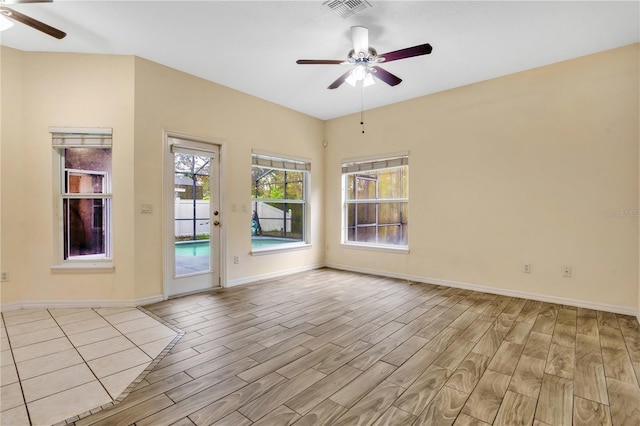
<point>105,189</point>
<point>74,137</point>
<point>368,164</point>
<point>287,163</point>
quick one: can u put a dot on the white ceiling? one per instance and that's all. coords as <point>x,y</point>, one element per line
<point>252,46</point>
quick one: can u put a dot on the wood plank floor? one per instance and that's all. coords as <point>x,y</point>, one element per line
<point>329,347</point>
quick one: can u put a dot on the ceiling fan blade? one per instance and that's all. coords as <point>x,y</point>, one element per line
<point>25,1</point>
<point>423,49</point>
<point>33,23</point>
<point>319,62</point>
<point>386,76</point>
<point>360,37</point>
<point>340,80</point>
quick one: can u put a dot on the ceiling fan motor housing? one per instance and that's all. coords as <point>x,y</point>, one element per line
<point>360,57</point>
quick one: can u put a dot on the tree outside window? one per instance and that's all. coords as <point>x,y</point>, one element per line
<point>278,192</point>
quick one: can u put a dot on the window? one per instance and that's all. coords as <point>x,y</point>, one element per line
<point>376,200</point>
<point>192,197</point>
<point>279,202</point>
<point>84,158</point>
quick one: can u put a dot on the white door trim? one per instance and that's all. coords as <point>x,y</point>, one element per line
<point>167,204</point>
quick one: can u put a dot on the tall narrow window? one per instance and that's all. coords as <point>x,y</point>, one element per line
<point>376,200</point>
<point>279,201</point>
<point>85,195</point>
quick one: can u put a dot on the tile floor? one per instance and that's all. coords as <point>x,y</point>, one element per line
<point>57,364</point>
<point>328,347</point>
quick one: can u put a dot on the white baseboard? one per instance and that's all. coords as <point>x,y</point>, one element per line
<point>89,303</point>
<point>256,278</point>
<point>149,300</point>
<point>102,303</point>
<point>492,290</point>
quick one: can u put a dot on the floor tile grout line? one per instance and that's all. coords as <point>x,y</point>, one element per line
<point>573,383</point>
<point>488,362</point>
<point>160,320</point>
<point>35,343</point>
<point>626,346</point>
<point>608,404</point>
<point>143,373</point>
<point>490,358</point>
<point>130,387</point>
<point>397,367</point>
<point>450,343</point>
<point>121,335</point>
<point>546,358</point>
<point>82,357</point>
<point>24,400</point>
<point>602,356</point>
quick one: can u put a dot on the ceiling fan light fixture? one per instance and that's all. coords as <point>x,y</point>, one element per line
<point>352,80</point>
<point>5,23</point>
<point>360,73</point>
<point>368,80</point>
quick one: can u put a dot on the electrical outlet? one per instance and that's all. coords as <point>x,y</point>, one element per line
<point>236,260</point>
<point>526,268</point>
<point>4,276</point>
<point>566,271</point>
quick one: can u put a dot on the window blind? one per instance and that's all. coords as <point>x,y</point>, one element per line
<point>194,148</point>
<point>279,163</point>
<point>375,164</point>
<point>75,137</point>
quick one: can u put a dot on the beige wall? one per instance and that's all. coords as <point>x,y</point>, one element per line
<point>138,99</point>
<point>168,99</point>
<point>60,90</point>
<point>516,169</point>
<point>10,130</point>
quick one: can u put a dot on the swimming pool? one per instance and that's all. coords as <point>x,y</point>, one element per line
<point>270,241</point>
<point>192,248</point>
<point>201,248</point>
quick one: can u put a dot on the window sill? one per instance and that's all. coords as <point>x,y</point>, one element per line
<point>84,267</point>
<point>387,249</point>
<point>284,248</point>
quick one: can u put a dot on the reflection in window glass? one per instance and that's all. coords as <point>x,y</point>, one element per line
<point>192,197</point>
<point>376,203</point>
<point>86,203</point>
<point>278,202</point>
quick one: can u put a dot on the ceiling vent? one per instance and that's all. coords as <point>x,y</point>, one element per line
<point>347,8</point>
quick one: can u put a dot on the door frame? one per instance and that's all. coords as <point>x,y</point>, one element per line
<point>168,169</point>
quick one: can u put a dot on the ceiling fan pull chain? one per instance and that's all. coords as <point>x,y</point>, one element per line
<point>362,107</point>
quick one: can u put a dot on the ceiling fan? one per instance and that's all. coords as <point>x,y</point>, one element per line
<point>10,13</point>
<point>365,60</point>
